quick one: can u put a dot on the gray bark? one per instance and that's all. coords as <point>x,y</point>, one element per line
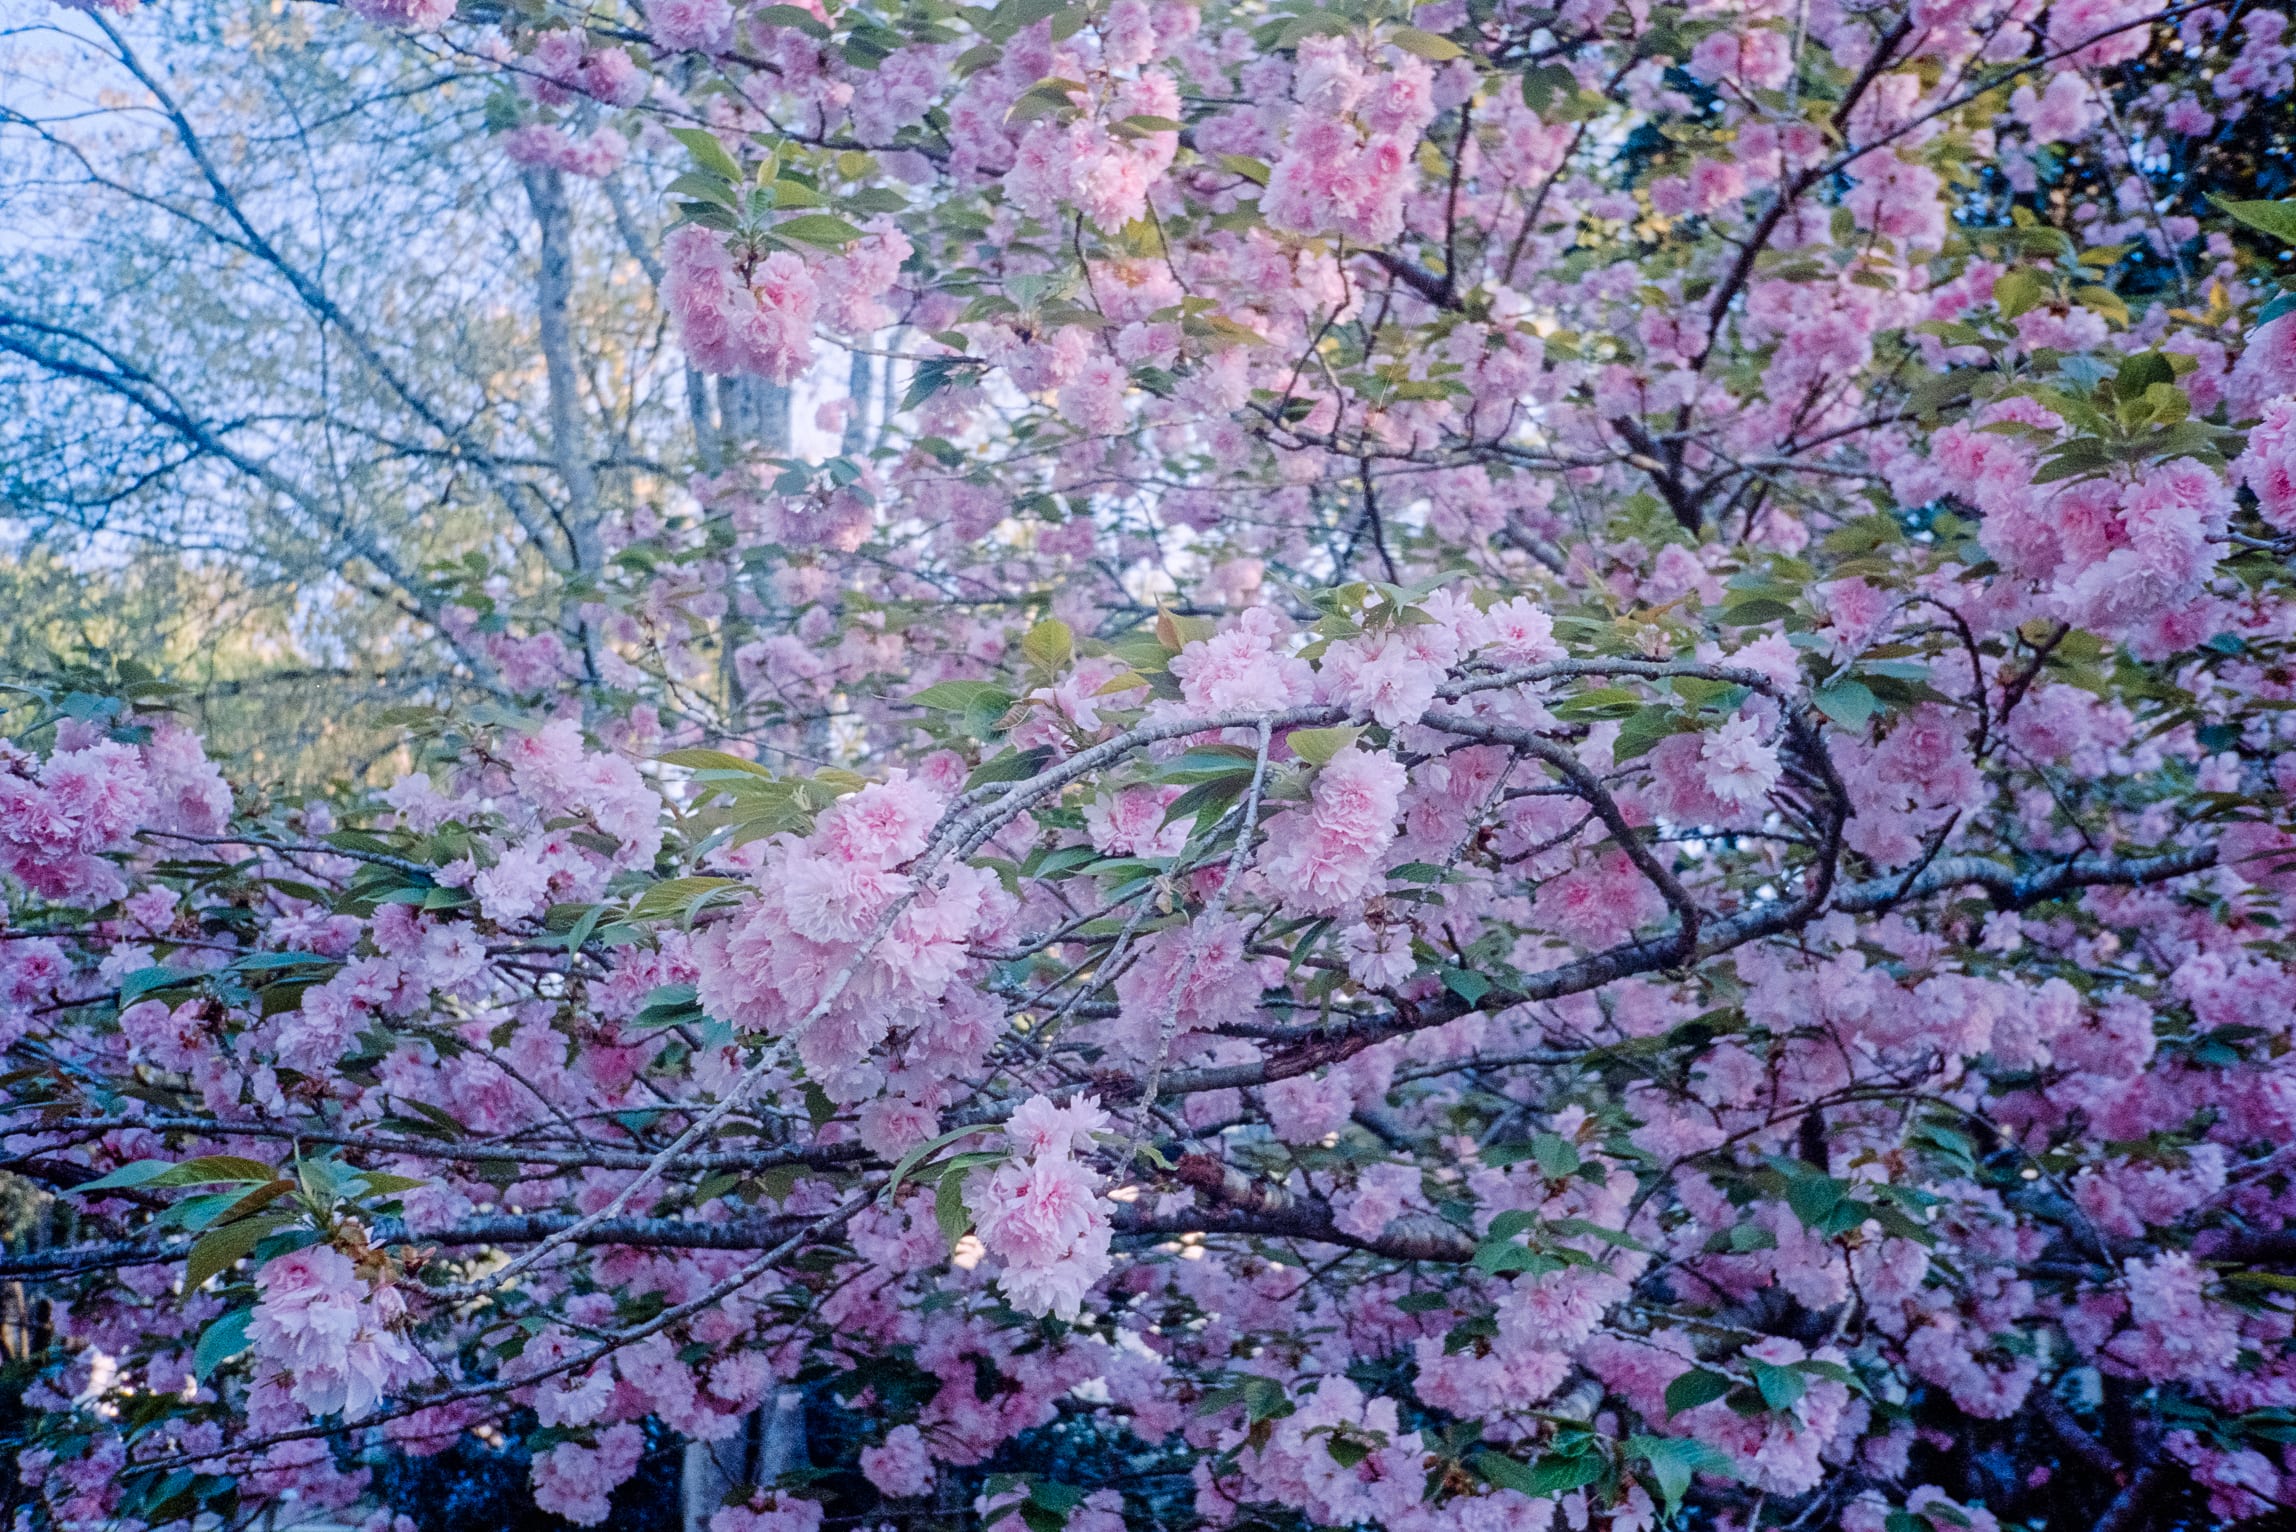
<point>771,1441</point>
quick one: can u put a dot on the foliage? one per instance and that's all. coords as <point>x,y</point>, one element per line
<point>1537,775</point>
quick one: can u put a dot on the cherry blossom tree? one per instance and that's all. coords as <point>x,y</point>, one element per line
<point>1539,779</point>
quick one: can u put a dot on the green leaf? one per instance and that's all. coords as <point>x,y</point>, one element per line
<point>1556,1474</point>
<point>709,188</point>
<point>925,1151</point>
<point>1755,611</point>
<point>1696,1387</point>
<point>1012,766</point>
<point>1814,1198</point>
<point>1055,1496</point>
<point>247,1205</point>
<point>1046,98</point>
<point>579,933</point>
<point>2018,291</point>
<point>2103,300</point>
<point>218,1248</point>
<point>443,1122</point>
<point>1673,1460</point>
<point>2141,372</point>
<point>1467,985</point>
<point>1851,704</point>
<point>1014,15</point>
<point>1496,1257</point>
<point>962,696</point>
<point>145,981</point>
<point>1513,1221</point>
<point>1428,45</point>
<point>1318,746</point>
<point>791,16</point>
<point>935,373</point>
<point>1642,730</point>
<point>708,152</point>
<point>1582,1228</point>
<point>1557,1155</point>
<point>1254,171</point>
<point>210,1169</point>
<point>1781,1387</point>
<point>824,229</point>
<point>1504,1472</point>
<point>713,760</point>
<point>1208,800</point>
<point>2277,219</point>
<point>1820,1368</point>
<point>1547,83</point>
<point>220,1342</point>
<point>2278,1281</point>
<point>1050,644</point>
<point>949,1207</point>
<point>1935,393</point>
<point>682,897</point>
<point>140,1173</point>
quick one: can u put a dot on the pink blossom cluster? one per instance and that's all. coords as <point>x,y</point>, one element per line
<point>333,1337</point>
<point>748,314</point>
<point>60,817</point>
<point>1639,801</point>
<point>1039,1212</point>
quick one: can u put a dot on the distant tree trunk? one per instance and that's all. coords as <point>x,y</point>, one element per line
<point>858,378</point>
<point>771,1441</point>
<point>554,297</point>
<point>754,415</point>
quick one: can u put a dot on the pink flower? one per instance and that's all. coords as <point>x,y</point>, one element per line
<point>753,318</point>
<point>414,15</point>
<point>1041,1213</point>
<point>549,147</point>
<point>1385,676</point>
<point>902,1468</point>
<point>2063,112</point>
<point>188,792</point>
<point>1302,1109</point>
<point>316,1320</point>
<point>1131,823</point>
<point>2110,22</point>
<point>577,1482</point>
<point>1331,178</point>
<point>771,1513</point>
<point>2268,467</point>
<point>1239,671</point>
<point>681,26</point>
<point>1382,1193</point>
<point>2267,366</point>
<point>2178,1332</point>
<point>1093,400</point>
<point>1740,769</point>
<point>884,824</point>
<point>102,790</point>
<point>1326,856</point>
<point>1378,956</point>
<point>1519,633</point>
<point>1601,902</point>
<point>1039,1129</point>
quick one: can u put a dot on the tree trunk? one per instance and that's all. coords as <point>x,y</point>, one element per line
<point>771,1441</point>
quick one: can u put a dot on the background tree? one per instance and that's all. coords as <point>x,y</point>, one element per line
<point>1527,769</point>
